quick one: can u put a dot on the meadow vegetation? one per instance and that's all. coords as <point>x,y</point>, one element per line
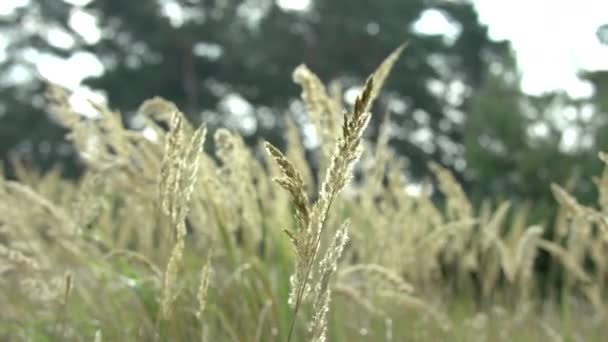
<point>161,240</point>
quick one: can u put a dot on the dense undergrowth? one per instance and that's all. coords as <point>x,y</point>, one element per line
<point>159,240</point>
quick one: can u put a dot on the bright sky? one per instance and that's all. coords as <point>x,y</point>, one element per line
<point>553,39</point>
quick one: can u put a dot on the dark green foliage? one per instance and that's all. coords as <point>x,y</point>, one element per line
<point>442,87</point>
<point>145,55</point>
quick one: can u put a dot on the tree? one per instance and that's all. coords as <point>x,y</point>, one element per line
<point>199,53</point>
<point>25,133</point>
<point>518,144</point>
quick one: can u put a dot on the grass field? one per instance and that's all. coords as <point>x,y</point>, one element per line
<point>160,240</point>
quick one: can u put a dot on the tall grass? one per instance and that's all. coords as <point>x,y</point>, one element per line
<point>159,240</point>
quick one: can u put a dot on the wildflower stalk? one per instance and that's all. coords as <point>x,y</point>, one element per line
<point>300,294</point>
<point>346,153</point>
<point>313,221</point>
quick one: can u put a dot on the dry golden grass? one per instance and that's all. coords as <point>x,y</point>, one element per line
<point>159,240</point>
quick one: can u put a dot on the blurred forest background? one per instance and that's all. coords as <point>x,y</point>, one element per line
<point>454,97</point>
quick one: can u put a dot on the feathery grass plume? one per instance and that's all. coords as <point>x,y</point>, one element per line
<point>312,221</point>
<point>220,208</point>
<point>490,228</point>
<point>89,136</point>
<point>137,257</point>
<point>378,163</point>
<point>62,316</point>
<point>158,109</point>
<point>104,143</point>
<point>347,151</point>
<point>292,181</point>
<point>581,241</point>
<point>550,333</point>
<point>485,211</point>
<point>484,254</point>
<point>384,70</point>
<point>602,184</point>
<point>25,175</point>
<point>348,148</point>
<point>201,294</point>
<point>69,284</point>
<point>89,202</point>
<point>304,236</point>
<point>574,208</point>
<point>517,256</point>
<point>324,109</point>
<point>59,106</point>
<point>319,107</point>
<point>46,290</point>
<point>239,169</point>
<point>171,169</point>
<point>16,257</point>
<point>179,174</point>
<point>327,266</point>
<point>458,205</point>
<point>352,128</point>
<point>427,209</point>
<point>374,276</point>
<point>335,95</point>
<point>262,319</point>
<point>297,154</point>
<point>49,224</point>
<point>458,208</point>
<point>352,295</point>
<point>563,255</point>
<point>168,296</point>
<point>593,293</point>
<point>519,221</point>
<point>598,251</point>
<point>521,255</point>
<point>65,224</point>
<point>412,302</point>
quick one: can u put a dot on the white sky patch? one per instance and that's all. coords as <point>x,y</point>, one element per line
<point>553,40</point>
<point>350,95</point>
<point>78,2</point>
<point>422,137</point>
<point>175,13</point>
<point>538,130</point>
<point>19,74</point>
<point>240,113</point>
<point>311,138</point>
<point>60,39</point>
<point>568,140</point>
<point>150,134</point>
<point>294,5</point>
<point>8,6</point>
<point>418,189</point>
<point>3,46</point>
<point>85,24</point>
<point>435,22</point>
<point>81,99</point>
<point>69,73</point>
<point>397,105</point>
<point>372,28</point>
<point>211,51</point>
